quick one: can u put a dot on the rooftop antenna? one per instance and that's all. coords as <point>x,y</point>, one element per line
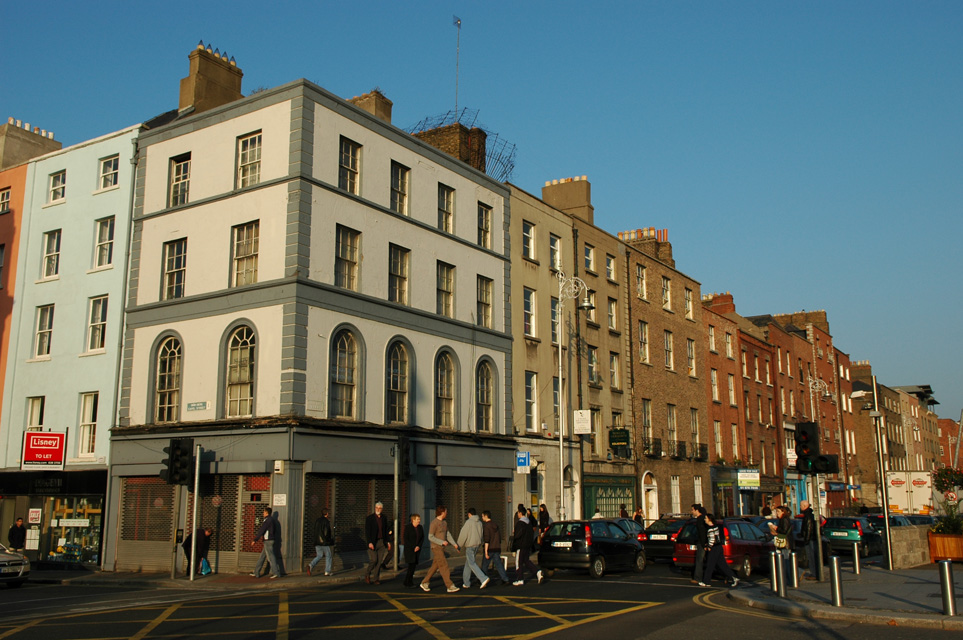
<point>455,20</point>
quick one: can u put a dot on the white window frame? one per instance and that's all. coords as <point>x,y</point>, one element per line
<point>4,200</point>
<point>241,373</point>
<point>445,289</point>
<point>484,226</point>
<point>528,240</point>
<point>484,290</point>
<point>589,258</point>
<point>167,382</point>
<point>109,173</point>
<point>57,187</point>
<point>555,252</point>
<point>349,166</point>
<point>531,402</point>
<point>666,293</point>
<point>445,391</point>
<point>594,377</point>
<point>347,253</point>
<point>246,240</point>
<point>643,341</point>
<point>396,389</point>
<point>399,260</point>
<point>180,180</point>
<point>615,374</point>
<point>690,354</point>
<point>688,303</point>
<point>728,344</point>
<point>34,414</point>
<point>44,334</point>
<point>97,324</point>
<point>50,267</point>
<point>732,389</point>
<point>712,338</point>
<point>175,269</point>
<point>446,208</point>
<point>104,243</point>
<point>714,383</point>
<point>484,396</point>
<point>249,160</point>
<point>88,424</point>
<point>590,314</point>
<point>555,310</point>
<point>669,355</point>
<point>610,267</point>
<point>400,184</point>
<point>717,433</point>
<point>613,314</point>
<point>640,282</point>
<point>528,312</point>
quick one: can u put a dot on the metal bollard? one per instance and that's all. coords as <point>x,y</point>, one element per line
<point>781,572</point>
<point>793,571</point>
<point>773,575</point>
<point>856,558</point>
<point>836,581</point>
<point>946,586</point>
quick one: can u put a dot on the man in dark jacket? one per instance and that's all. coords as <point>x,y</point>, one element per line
<point>323,543</point>
<point>809,539</point>
<point>492,538</point>
<point>270,533</point>
<point>414,539</point>
<point>699,513</point>
<point>203,536</point>
<point>378,532</point>
<point>523,538</point>
<point>17,536</point>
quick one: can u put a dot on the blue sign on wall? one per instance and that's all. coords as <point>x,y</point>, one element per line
<point>523,460</point>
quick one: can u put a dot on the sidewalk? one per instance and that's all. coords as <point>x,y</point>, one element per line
<point>905,598</point>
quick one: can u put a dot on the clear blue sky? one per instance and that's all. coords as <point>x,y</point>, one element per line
<point>803,155</point>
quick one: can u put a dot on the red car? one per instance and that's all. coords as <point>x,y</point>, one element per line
<point>747,547</point>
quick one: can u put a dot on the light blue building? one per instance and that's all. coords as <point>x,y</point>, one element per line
<point>66,331</point>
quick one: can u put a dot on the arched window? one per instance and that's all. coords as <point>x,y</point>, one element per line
<point>167,392</point>
<point>397,384</point>
<point>240,372</point>
<point>483,397</point>
<point>444,392</point>
<point>344,367</point>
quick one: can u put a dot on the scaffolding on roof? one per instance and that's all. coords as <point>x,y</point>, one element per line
<point>499,153</point>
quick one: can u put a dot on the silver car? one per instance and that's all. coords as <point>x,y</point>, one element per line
<point>14,568</point>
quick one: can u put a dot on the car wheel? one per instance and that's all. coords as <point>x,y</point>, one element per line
<point>745,569</point>
<point>549,572</point>
<point>597,568</point>
<point>640,562</point>
<point>14,585</point>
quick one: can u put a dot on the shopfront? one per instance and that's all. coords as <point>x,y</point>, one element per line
<point>63,512</point>
<point>608,493</point>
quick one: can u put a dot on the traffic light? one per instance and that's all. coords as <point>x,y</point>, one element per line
<point>826,464</point>
<point>806,436</point>
<point>179,463</point>
<point>404,461</point>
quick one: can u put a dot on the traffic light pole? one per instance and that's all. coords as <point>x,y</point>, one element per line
<point>177,515</point>
<point>817,520</point>
<point>197,480</point>
<point>394,551</point>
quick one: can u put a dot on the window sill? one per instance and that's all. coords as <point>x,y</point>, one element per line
<point>595,385</point>
<point>593,324</point>
<point>615,332</point>
<point>54,203</point>
<point>615,389</point>
<point>611,281</point>
<point>39,359</point>
<point>106,267</point>
<point>532,260</point>
<point>643,299</point>
<point>718,402</point>
<point>532,339</point>
<point>50,279</point>
<point>97,192</point>
<point>93,352</point>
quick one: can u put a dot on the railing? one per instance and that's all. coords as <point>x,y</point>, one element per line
<point>652,447</point>
<point>677,448</point>
<point>700,451</point>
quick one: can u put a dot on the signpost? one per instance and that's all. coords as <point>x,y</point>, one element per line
<point>43,451</point>
<point>523,461</point>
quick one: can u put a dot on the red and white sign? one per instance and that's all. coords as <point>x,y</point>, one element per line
<point>951,497</point>
<point>897,482</point>
<point>43,451</point>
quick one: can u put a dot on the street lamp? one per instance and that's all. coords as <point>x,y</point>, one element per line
<point>883,490</point>
<point>568,289</point>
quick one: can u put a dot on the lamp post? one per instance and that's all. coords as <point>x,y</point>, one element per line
<point>568,289</point>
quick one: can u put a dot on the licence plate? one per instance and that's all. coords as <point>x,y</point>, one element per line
<point>658,536</point>
<point>839,534</point>
<point>566,544</point>
<point>11,570</point>
<point>691,547</point>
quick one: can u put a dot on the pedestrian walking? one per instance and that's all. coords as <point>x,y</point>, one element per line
<point>699,513</point>
<point>323,543</point>
<point>714,558</point>
<point>638,517</point>
<point>203,536</point>
<point>544,521</point>
<point>439,537</point>
<point>492,537</point>
<point>378,532</point>
<point>270,534</point>
<point>808,532</point>
<point>471,537</point>
<point>17,536</point>
<point>522,541</point>
<point>413,537</point>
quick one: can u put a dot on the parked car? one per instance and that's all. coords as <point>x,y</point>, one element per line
<point>594,545</point>
<point>919,518</point>
<point>660,536</point>
<point>839,534</point>
<point>14,568</point>
<point>895,520</point>
<point>747,547</point>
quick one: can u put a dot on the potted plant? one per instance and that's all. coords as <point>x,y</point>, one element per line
<point>946,536</point>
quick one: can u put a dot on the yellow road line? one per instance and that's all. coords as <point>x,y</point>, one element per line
<point>603,616</point>
<point>22,627</point>
<point>414,617</point>
<point>283,619</point>
<point>153,624</point>
<point>525,607</point>
<point>702,600</point>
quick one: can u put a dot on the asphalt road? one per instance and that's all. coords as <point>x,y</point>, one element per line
<point>658,604</point>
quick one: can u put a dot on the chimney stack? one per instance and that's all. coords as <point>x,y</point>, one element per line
<point>572,196</point>
<point>458,141</point>
<point>213,80</point>
<point>19,142</point>
<point>651,241</point>
<point>375,103</point>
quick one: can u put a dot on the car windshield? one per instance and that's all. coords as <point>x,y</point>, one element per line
<point>666,525</point>
<point>840,523</point>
